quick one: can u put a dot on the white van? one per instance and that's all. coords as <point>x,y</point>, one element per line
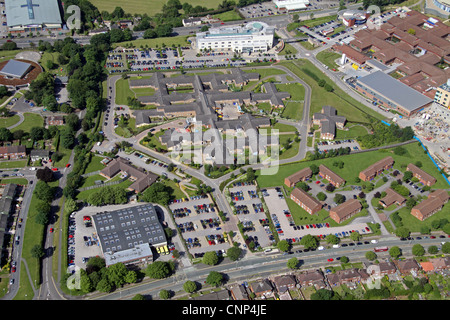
<point>336,246</point>
<point>320,248</point>
<point>374,241</point>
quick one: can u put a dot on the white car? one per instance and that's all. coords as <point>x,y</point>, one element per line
<point>374,241</point>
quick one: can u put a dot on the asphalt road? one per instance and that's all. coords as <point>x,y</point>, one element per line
<point>261,266</point>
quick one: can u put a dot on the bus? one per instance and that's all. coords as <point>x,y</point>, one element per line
<point>380,249</point>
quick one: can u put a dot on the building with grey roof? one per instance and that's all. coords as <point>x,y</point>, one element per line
<point>390,93</point>
<point>15,69</point>
<point>126,234</point>
<point>32,15</point>
<point>328,120</point>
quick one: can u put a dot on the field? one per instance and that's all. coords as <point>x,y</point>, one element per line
<point>31,120</point>
<point>293,107</point>
<point>156,43</point>
<point>328,58</point>
<point>7,122</point>
<point>150,7</point>
<point>354,163</point>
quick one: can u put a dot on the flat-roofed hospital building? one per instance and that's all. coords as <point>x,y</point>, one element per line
<point>254,36</point>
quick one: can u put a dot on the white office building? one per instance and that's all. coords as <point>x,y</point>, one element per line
<point>254,36</point>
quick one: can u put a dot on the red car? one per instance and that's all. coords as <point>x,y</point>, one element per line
<point>67,165</point>
<point>330,259</point>
<point>13,269</point>
<point>55,169</point>
<point>51,230</point>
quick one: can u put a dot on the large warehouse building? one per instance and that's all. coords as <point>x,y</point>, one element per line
<point>32,15</point>
<point>254,36</point>
<point>391,94</point>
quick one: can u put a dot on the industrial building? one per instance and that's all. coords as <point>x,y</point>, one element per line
<point>127,235</point>
<point>392,94</point>
<point>15,69</point>
<point>32,15</point>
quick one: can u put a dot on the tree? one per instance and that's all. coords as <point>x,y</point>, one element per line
<point>418,250</point>
<point>233,253</point>
<point>250,175</point>
<point>86,284</point>
<point>164,294</point>
<point>43,191</point>
<point>37,251</point>
<point>355,236</point>
<point>292,263</point>
<point>190,286</point>
<point>5,134</point>
<point>330,187</point>
<point>407,176</point>
<point>158,270</point>
<point>157,192</point>
<point>150,34</point>
<point>332,239</point>
<point>339,198</point>
<point>321,196</point>
<point>214,279</point>
<point>131,276</point>
<point>446,247</point>
<point>370,255</point>
<point>314,169</point>
<point>309,241</point>
<point>402,232</point>
<point>322,294</point>
<point>395,252</point>
<point>70,205</point>
<point>210,258</point>
<point>45,174</point>
<point>104,285</point>
<point>36,133</point>
<point>116,274</point>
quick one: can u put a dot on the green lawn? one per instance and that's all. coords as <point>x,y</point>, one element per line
<point>353,132</point>
<point>95,164</point>
<point>288,49</point>
<point>156,43</point>
<point>13,164</point>
<point>293,107</point>
<point>9,121</point>
<point>8,54</point>
<point>265,72</point>
<point>227,16</point>
<point>21,181</point>
<point>354,163</point>
<point>31,120</point>
<point>149,7</point>
<point>328,58</point>
<point>83,195</point>
<point>344,104</point>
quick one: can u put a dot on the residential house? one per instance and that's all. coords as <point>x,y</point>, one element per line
<point>377,168</point>
<point>440,264</point>
<point>332,177</point>
<point>425,178</point>
<point>39,154</point>
<point>312,277</point>
<point>391,198</point>
<point>347,276</point>
<point>261,288</point>
<point>306,201</point>
<point>387,268</point>
<point>345,210</point>
<point>407,266</point>
<point>238,292</point>
<point>13,152</point>
<point>284,282</point>
<point>430,206</point>
<point>301,175</point>
<point>54,121</point>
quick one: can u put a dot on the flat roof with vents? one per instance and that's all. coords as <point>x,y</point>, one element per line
<point>15,69</point>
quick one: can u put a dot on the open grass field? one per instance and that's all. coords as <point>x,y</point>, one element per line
<point>31,120</point>
<point>156,43</point>
<point>293,106</point>
<point>353,132</point>
<point>7,122</point>
<point>344,104</point>
<point>354,163</point>
<point>123,91</point>
<point>150,7</point>
<point>13,164</point>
